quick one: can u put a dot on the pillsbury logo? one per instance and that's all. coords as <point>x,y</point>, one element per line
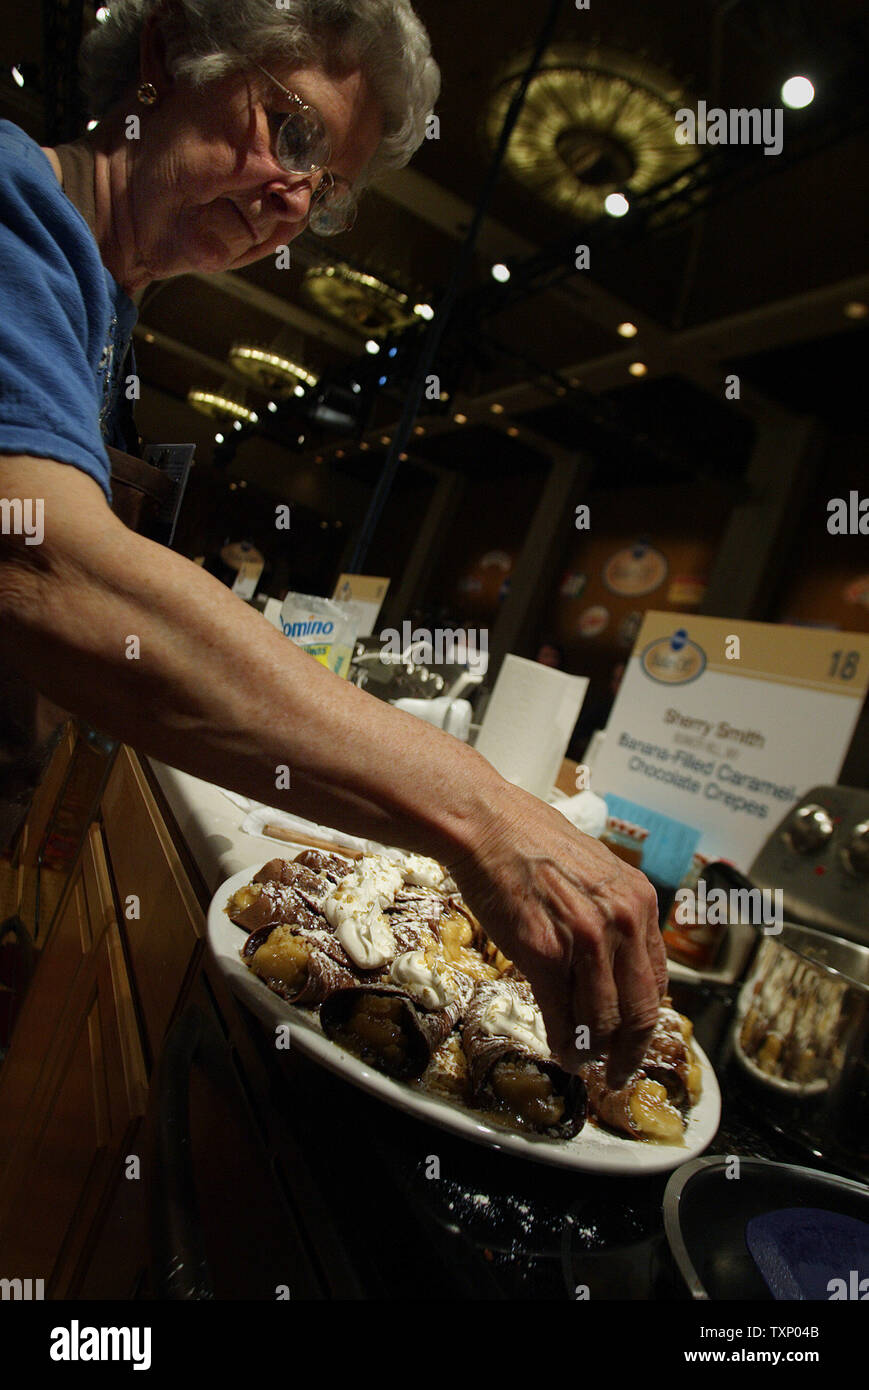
<point>673,660</point>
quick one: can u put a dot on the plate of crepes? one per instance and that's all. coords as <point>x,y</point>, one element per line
<point>378,970</point>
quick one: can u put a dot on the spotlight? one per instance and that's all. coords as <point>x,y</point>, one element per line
<point>616,204</point>
<point>797,92</point>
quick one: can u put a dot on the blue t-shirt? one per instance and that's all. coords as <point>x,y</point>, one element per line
<point>65,323</point>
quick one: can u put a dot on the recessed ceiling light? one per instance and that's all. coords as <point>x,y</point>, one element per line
<point>638,369</point>
<point>627,330</point>
<point>616,204</point>
<point>797,92</point>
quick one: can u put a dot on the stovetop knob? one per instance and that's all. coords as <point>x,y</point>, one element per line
<point>809,830</point>
<point>855,854</point>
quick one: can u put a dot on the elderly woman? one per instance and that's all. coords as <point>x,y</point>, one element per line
<point>254,118</point>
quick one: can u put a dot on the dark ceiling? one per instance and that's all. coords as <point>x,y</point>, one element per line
<point>749,269</point>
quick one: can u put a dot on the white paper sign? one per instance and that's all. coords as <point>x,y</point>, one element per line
<point>529,721</point>
<point>723,724</point>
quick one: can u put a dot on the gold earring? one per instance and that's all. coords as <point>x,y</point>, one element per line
<point>147,93</point>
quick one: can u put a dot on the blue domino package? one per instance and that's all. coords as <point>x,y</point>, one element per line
<point>668,850</point>
<point>806,1253</point>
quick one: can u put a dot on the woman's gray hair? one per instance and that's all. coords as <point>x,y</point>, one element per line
<point>208,39</point>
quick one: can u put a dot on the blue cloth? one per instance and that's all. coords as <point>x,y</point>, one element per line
<point>65,323</point>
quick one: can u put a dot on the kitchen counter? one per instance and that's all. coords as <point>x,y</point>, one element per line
<point>211,826</point>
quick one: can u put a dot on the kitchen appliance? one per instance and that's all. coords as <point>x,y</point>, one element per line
<point>819,857</point>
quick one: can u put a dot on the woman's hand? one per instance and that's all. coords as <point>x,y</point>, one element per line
<point>579,922</point>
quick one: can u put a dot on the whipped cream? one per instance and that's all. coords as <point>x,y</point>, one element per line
<point>355,910</point>
<point>431,985</point>
<point>420,872</point>
<point>507,1016</point>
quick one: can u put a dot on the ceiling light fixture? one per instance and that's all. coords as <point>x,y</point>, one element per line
<point>595,120</point>
<point>627,330</point>
<point>218,407</point>
<point>270,370</point>
<point>638,369</point>
<point>363,302</point>
<point>616,204</point>
<point>501,273</point>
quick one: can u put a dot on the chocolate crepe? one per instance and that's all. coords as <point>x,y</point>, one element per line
<point>484,1050</point>
<point>277,902</point>
<point>424,1029</point>
<point>329,966</point>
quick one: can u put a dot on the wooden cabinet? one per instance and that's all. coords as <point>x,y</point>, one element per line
<point>73,1087</point>
<point>163,923</point>
<point>118,959</point>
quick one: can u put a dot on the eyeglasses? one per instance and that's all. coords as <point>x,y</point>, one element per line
<point>303,147</point>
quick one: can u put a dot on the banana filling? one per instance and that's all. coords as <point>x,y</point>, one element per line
<point>527,1093</point>
<point>652,1113</point>
<point>375,1032</point>
<point>284,958</point>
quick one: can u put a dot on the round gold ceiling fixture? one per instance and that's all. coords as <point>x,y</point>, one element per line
<point>361,301</point>
<point>594,121</point>
<point>219,407</point>
<point>271,372</point>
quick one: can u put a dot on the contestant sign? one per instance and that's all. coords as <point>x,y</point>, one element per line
<point>723,724</point>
